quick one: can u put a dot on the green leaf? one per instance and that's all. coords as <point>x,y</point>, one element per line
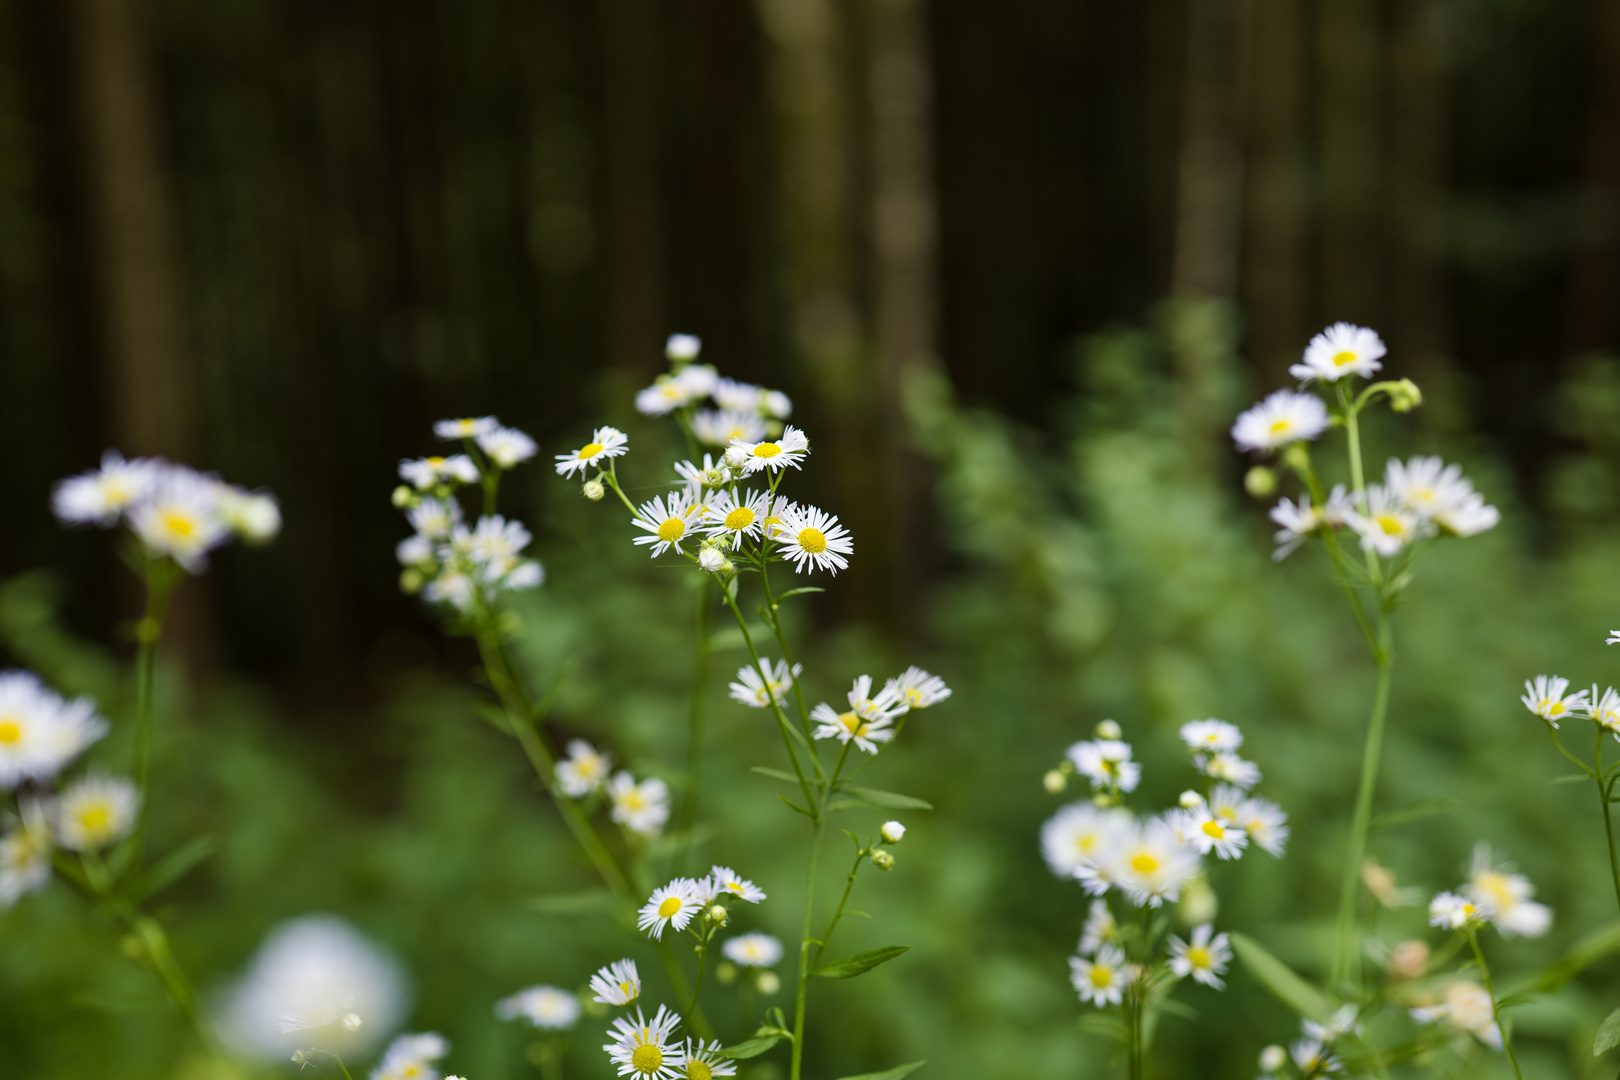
<point>861,962</point>
<point>1585,952</point>
<point>752,1048</point>
<point>177,864</point>
<point>795,806</point>
<point>775,774</point>
<point>1283,982</point>
<point>889,800</point>
<point>577,903</point>
<point>889,1074</point>
<point>1416,811</point>
<point>1608,1034</point>
<point>798,592</point>
<point>1569,778</point>
<point>838,806</point>
<point>493,715</point>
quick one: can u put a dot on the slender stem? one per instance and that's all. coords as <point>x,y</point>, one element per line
<point>1583,766</point>
<point>1352,426</point>
<point>694,735</point>
<point>159,581</point>
<point>612,477</point>
<point>703,966</point>
<point>1605,792</point>
<point>344,1069</point>
<point>776,708</point>
<point>781,640</point>
<point>804,949</point>
<point>1496,1014</point>
<point>849,883</point>
<point>1347,958</point>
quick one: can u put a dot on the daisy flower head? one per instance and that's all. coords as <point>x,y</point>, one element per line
<point>1106,763</point>
<point>788,451</point>
<point>1544,695</point>
<point>1505,897</point>
<point>179,517</point>
<point>1100,980</point>
<point>1448,911</point>
<point>583,770</point>
<point>1148,863</point>
<point>1286,416</point>
<point>25,855</point>
<point>255,516</point>
<point>1264,821</point>
<point>95,811</point>
<point>664,396</point>
<point>700,478</point>
<point>1206,832</point>
<point>1296,522</point>
<point>667,520</point>
<point>1313,1059</point>
<point>646,1049</point>
<point>606,443</point>
<point>735,516</point>
<point>507,447</point>
<point>453,587</point>
<point>759,687</point>
<point>1078,834</point>
<point>726,883</point>
<point>1605,710</point>
<point>617,984</point>
<point>722,427</point>
<point>682,348</point>
<point>1230,768</point>
<point>1385,525</point>
<point>777,404</point>
<point>917,689</point>
<point>706,1062</point>
<point>1211,736</point>
<point>1470,517</point>
<point>493,541</point>
<point>1425,485</point>
<point>39,731</point>
<point>427,473</point>
<point>1465,1007</point>
<point>547,1007</point>
<point>642,808</point>
<point>739,397</point>
<point>1100,928</point>
<point>466,427</point>
<point>753,950</point>
<point>435,518</point>
<point>670,905</point>
<point>831,724</point>
<point>100,496</point>
<point>1342,349</point>
<point>411,1057</point>
<point>885,706</point>
<point>1202,956</point>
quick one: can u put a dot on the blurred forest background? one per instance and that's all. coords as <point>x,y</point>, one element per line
<point>1018,265</point>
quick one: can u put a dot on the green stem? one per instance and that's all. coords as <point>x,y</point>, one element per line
<point>678,987</point>
<point>344,1069</point>
<point>697,987</point>
<point>776,708</point>
<point>1352,426</point>
<point>1496,1014</point>
<point>1579,764</point>
<point>1605,792</point>
<point>159,580</point>
<point>804,949</point>
<point>1347,958</point>
<point>781,640</point>
<point>694,736</point>
<point>849,883</point>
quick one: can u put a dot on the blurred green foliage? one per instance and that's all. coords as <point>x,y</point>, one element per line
<point>1115,571</point>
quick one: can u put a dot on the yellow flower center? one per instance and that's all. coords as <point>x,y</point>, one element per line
<point>647,1058</point>
<point>913,697</point>
<point>1213,830</point>
<point>671,529</point>
<point>179,523</point>
<point>625,989</point>
<point>1102,977</point>
<point>589,450</point>
<point>669,907</point>
<point>1552,707</point>
<point>633,800</point>
<point>735,886</point>
<point>851,723</point>
<point>812,540</point>
<point>1340,359</point>
<point>1085,842</point>
<point>1280,426</point>
<point>93,819</point>
<point>767,450</point>
<point>1497,886</point>
<point>1144,863</point>
<point>698,1070</point>
<point>10,730</point>
<point>740,518</point>
<point>1390,524</point>
<point>435,461</point>
<point>1198,956</point>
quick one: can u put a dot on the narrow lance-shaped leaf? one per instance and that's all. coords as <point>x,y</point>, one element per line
<point>861,963</point>
<point>890,1074</point>
<point>1285,984</point>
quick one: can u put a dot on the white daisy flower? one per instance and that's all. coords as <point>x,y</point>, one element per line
<point>507,447</point>
<point>99,496</point>
<point>435,518</point>
<point>736,515</point>
<point>1100,928</point>
<point>1264,821</point>
<point>1287,416</point>
<point>738,397</point>
<point>1229,767</point>
<point>1340,1024</point>
<point>606,443</point>
<point>1449,911</point>
<point>885,706</point>
<point>892,832</point>
<point>25,854</point>
<point>583,770</point>
<point>668,521</point>
<point>1426,485</point>
<point>95,811</point>
<point>777,404</point>
<point>1545,697</point>
<point>1206,832</point>
<point>831,724</point>
<point>1613,638</point>
<point>642,808</point>
<point>1296,523</point>
<point>645,1049</point>
<point>786,452</point>
<point>430,472</point>
<point>706,1062</point>
<point>1606,712</point>
<point>726,883</point>
<point>759,687</point>
<point>1211,736</point>
<point>1106,763</point>
<point>466,427</point>
<point>715,427</point>
<point>1203,957</point>
<point>1386,525</point>
<point>255,516</point>
<point>674,905</point>
<point>453,587</point>
<point>1313,1059</point>
<point>699,379</point>
<point>1148,863</point>
<point>917,689</point>
<point>682,347</point>
<point>1468,518</point>
<point>547,1007</point>
<point>179,517</point>
<point>1078,834</point>
<point>1100,980</point>
<point>411,1057</point>
<point>39,731</point>
<point>1505,898</point>
<point>493,541</point>
<point>753,950</point>
<point>701,478</point>
<point>1466,1007</point>
<point>1342,349</point>
<point>664,396</point>
<point>617,984</point>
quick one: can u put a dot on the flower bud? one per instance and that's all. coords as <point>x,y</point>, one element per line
<point>1054,781</point>
<point>715,477</point>
<point>1108,730</point>
<point>736,457</point>
<point>726,972</point>
<point>403,497</point>
<point>1191,799</point>
<point>1409,960</point>
<point>410,582</point>
<point>682,347</point>
<point>1297,457</point>
<point>892,832</point>
<point>717,914</point>
<point>713,560</point>
<point>351,1021</point>
<point>594,490</point>
<point>1273,1058</point>
<point>882,859</point>
<point>1260,482</point>
<point>1405,396</point>
<point>767,982</point>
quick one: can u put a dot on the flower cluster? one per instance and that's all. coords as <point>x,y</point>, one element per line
<point>448,561</point>
<point>716,410</point>
<point>174,511</point>
<point>1312,1056</point>
<point>1492,895</point>
<point>675,905</point>
<point>641,807</point>
<point>870,719</point>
